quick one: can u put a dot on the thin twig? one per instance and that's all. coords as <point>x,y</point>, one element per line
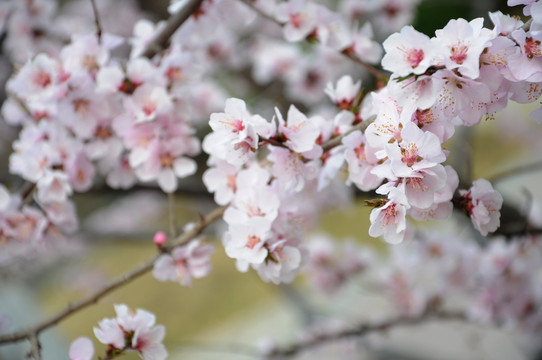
<point>361,330</point>
<point>161,39</point>
<point>376,72</point>
<point>97,20</point>
<point>171,207</point>
<point>232,348</point>
<point>273,142</point>
<point>35,346</point>
<point>113,285</point>
<point>336,141</point>
<point>523,169</point>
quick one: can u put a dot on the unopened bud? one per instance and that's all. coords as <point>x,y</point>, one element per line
<point>160,238</point>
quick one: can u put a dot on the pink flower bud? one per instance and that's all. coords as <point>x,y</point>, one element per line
<point>160,238</point>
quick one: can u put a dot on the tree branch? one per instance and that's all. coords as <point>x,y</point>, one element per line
<point>361,330</point>
<point>113,285</point>
<point>35,347</point>
<point>161,39</point>
<point>97,20</point>
<point>523,169</point>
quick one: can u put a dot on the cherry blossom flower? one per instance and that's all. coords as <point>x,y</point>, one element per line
<point>389,220</point>
<point>408,52</point>
<point>483,205</point>
<point>344,93</point>
<point>282,263</point>
<point>364,46</point>
<point>298,130</point>
<point>221,180</point>
<point>147,102</point>
<point>53,187</point>
<point>417,150</point>
<point>235,132</point>
<point>81,349</point>
<point>460,44</point>
<point>361,160</point>
<point>184,263</point>
<point>246,242</point>
<point>300,17</point>
<point>133,330</point>
<point>526,64</point>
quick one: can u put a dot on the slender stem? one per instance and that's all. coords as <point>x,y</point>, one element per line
<point>35,346</point>
<point>172,225</point>
<point>376,72</point>
<point>97,20</point>
<point>336,141</point>
<point>113,285</point>
<point>273,142</point>
<point>161,39</point>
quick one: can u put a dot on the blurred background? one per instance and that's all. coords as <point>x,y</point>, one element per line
<point>228,314</point>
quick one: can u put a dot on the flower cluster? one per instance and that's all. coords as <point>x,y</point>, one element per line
<point>184,263</point>
<point>129,331</point>
<point>501,281</point>
<point>328,268</point>
<point>271,201</point>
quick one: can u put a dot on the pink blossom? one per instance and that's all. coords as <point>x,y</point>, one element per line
<point>461,96</point>
<point>184,263</point>
<point>252,199</point>
<point>298,130</point>
<point>483,205</point>
<point>110,332</point>
<point>246,242</point>
<point>389,220</point>
<point>235,133</point>
<point>300,18</point>
<point>221,180</point>
<point>160,238</point>
<point>526,64</point>
<point>344,93</point>
<point>53,187</point>
<point>290,168</point>
<point>147,102</point>
<point>81,349</point>
<point>364,45</point>
<point>418,150</point>
<point>460,44</point>
<point>282,264</point>
<point>361,160</point>
<point>133,330</point>
<point>408,52</point>
<point>86,54</point>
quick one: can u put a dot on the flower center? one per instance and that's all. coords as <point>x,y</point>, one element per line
<point>167,160</point>
<point>410,155</point>
<point>390,215</point>
<point>253,240</point>
<point>459,53</point>
<point>297,20</point>
<point>42,79</point>
<point>414,57</point>
<point>532,48</point>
